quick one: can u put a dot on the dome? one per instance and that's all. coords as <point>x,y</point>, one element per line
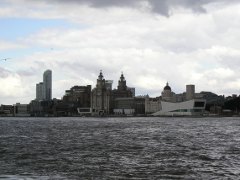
<point>167,87</point>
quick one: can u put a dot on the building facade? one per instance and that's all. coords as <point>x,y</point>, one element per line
<point>122,90</point>
<point>44,89</point>
<point>167,94</point>
<point>152,105</point>
<point>194,107</point>
<point>77,97</point>
<point>171,104</point>
<point>101,97</point>
<point>47,85</point>
<point>190,92</point>
<point>39,91</point>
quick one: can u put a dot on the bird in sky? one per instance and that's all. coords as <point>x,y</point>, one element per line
<point>5,59</point>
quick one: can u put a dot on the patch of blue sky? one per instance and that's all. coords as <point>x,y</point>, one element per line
<point>16,55</point>
<point>24,52</point>
<point>14,28</point>
<point>4,3</point>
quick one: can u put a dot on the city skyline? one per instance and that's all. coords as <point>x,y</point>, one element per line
<point>152,42</point>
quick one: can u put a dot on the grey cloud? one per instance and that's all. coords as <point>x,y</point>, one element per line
<point>30,72</point>
<point>162,7</point>
<point>4,73</point>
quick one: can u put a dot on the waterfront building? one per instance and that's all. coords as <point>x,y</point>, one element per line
<point>171,104</point>
<point>44,89</point>
<point>139,102</point>
<point>122,90</point>
<point>77,97</point>
<point>190,92</point>
<point>118,101</point>
<point>212,99</point>
<point>124,106</point>
<point>101,97</point>
<point>132,89</point>
<point>194,107</point>
<point>21,110</point>
<point>41,108</point>
<point>6,110</point>
<point>129,106</point>
<point>123,101</point>
<point>60,108</point>
<point>152,105</point>
<point>108,84</point>
<point>167,94</point>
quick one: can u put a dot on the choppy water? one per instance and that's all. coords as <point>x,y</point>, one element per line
<point>119,148</point>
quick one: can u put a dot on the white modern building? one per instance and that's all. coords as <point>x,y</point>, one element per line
<point>171,104</point>
<point>194,107</point>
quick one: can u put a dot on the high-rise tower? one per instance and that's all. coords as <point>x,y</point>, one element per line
<point>39,91</point>
<point>47,85</point>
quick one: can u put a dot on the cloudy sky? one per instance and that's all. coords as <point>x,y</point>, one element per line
<point>150,41</point>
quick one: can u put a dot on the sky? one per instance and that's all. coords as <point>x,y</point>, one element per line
<point>151,41</point>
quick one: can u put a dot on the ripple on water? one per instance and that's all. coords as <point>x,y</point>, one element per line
<point>119,148</point>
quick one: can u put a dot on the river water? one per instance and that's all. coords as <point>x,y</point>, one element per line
<point>119,148</point>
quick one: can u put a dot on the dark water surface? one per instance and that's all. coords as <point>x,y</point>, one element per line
<point>119,148</point>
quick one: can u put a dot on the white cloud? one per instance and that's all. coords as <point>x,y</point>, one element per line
<point>6,45</point>
<point>150,49</point>
<point>13,88</point>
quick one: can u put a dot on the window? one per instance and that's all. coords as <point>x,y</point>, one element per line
<point>199,104</point>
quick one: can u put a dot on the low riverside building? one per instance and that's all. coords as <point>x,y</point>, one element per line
<point>6,110</point>
<point>152,105</point>
<point>21,110</point>
<point>194,107</point>
<point>124,106</point>
<point>41,108</point>
<point>171,104</point>
<point>129,106</point>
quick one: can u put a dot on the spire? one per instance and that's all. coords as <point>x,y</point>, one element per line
<point>122,83</point>
<point>122,78</point>
<point>100,77</point>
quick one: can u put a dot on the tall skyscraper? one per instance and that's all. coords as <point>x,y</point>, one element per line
<point>47,84</point>
<point>44,89</point>
<point>39,91</point>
